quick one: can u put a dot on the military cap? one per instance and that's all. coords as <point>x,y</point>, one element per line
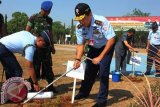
<point>47,5</point>
<point>154,25</point>
<point>46,36</point>
<point>81,10</point>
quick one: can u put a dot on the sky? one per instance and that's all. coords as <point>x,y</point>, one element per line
<point>63,10</point>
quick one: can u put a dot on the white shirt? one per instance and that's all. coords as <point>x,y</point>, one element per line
<point>17,41</point>
<point>154,37</point>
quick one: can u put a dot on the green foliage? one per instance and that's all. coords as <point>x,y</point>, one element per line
<point>67,31</point>
<point>140,39</point>
<point>118,35</point>
<point>137,12</point>
<point>3,31</point>
<point>17,23</point>
<point>73,37</point>
<point>58,31</point>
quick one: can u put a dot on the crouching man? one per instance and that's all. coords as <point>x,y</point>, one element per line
<point>25,43</point>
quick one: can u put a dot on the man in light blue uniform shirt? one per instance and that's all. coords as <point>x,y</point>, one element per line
<point>153,49</point>
<point>96,32</point>
<point>22,42</point>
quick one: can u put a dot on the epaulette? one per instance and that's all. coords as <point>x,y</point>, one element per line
<point>28,45</point>
<point>79,26</point>
<point>98,22</point>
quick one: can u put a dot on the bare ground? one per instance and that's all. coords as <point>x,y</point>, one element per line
<point>121,94</point>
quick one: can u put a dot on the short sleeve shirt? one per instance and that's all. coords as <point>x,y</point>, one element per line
<point>17,41</point>
<point>100,31</point>
<point>120,46</point>
<point>154,37</point>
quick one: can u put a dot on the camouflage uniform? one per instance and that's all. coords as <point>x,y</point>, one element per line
<point>42,56</point>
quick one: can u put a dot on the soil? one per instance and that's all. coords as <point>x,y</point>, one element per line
<point>121,94</point>
<point>135,79</point>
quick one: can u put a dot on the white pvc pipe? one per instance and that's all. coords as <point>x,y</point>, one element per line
<point>42,95</point>
<point>74,88</point>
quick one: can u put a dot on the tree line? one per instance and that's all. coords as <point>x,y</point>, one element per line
<point>19,21</point>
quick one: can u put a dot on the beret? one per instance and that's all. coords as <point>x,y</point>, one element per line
<point>47,5</point>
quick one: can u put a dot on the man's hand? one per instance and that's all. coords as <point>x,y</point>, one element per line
<point>36,87</point>
<point>76,64</point>
<point>96,60</point>
<point>53,50</point>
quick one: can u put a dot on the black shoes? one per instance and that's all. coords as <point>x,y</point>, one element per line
<point>156,75</point>
<point>80,96</point>
<point>99,105</point>
<point>54,90</point>
<point>147,73</point>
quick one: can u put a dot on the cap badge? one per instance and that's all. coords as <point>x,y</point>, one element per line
<point>77,11</point>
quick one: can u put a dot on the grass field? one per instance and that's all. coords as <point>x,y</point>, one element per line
<point>121,94</point>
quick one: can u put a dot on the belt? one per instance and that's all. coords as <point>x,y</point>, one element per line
<point>96,48</point>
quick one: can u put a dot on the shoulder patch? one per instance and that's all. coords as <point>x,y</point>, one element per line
<point>79,26</point>
<point>98,22</point>
<point>28,45</point>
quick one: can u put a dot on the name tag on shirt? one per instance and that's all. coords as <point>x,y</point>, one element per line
<point>91,42</point>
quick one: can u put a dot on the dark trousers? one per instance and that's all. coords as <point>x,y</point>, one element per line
<point>91,72</point>
<point>120,61</point>
<point>11,66</point>
<point>152,53</point>
<point>42,58</point>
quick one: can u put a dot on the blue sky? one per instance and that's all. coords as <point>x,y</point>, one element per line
<point>63,10</point>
